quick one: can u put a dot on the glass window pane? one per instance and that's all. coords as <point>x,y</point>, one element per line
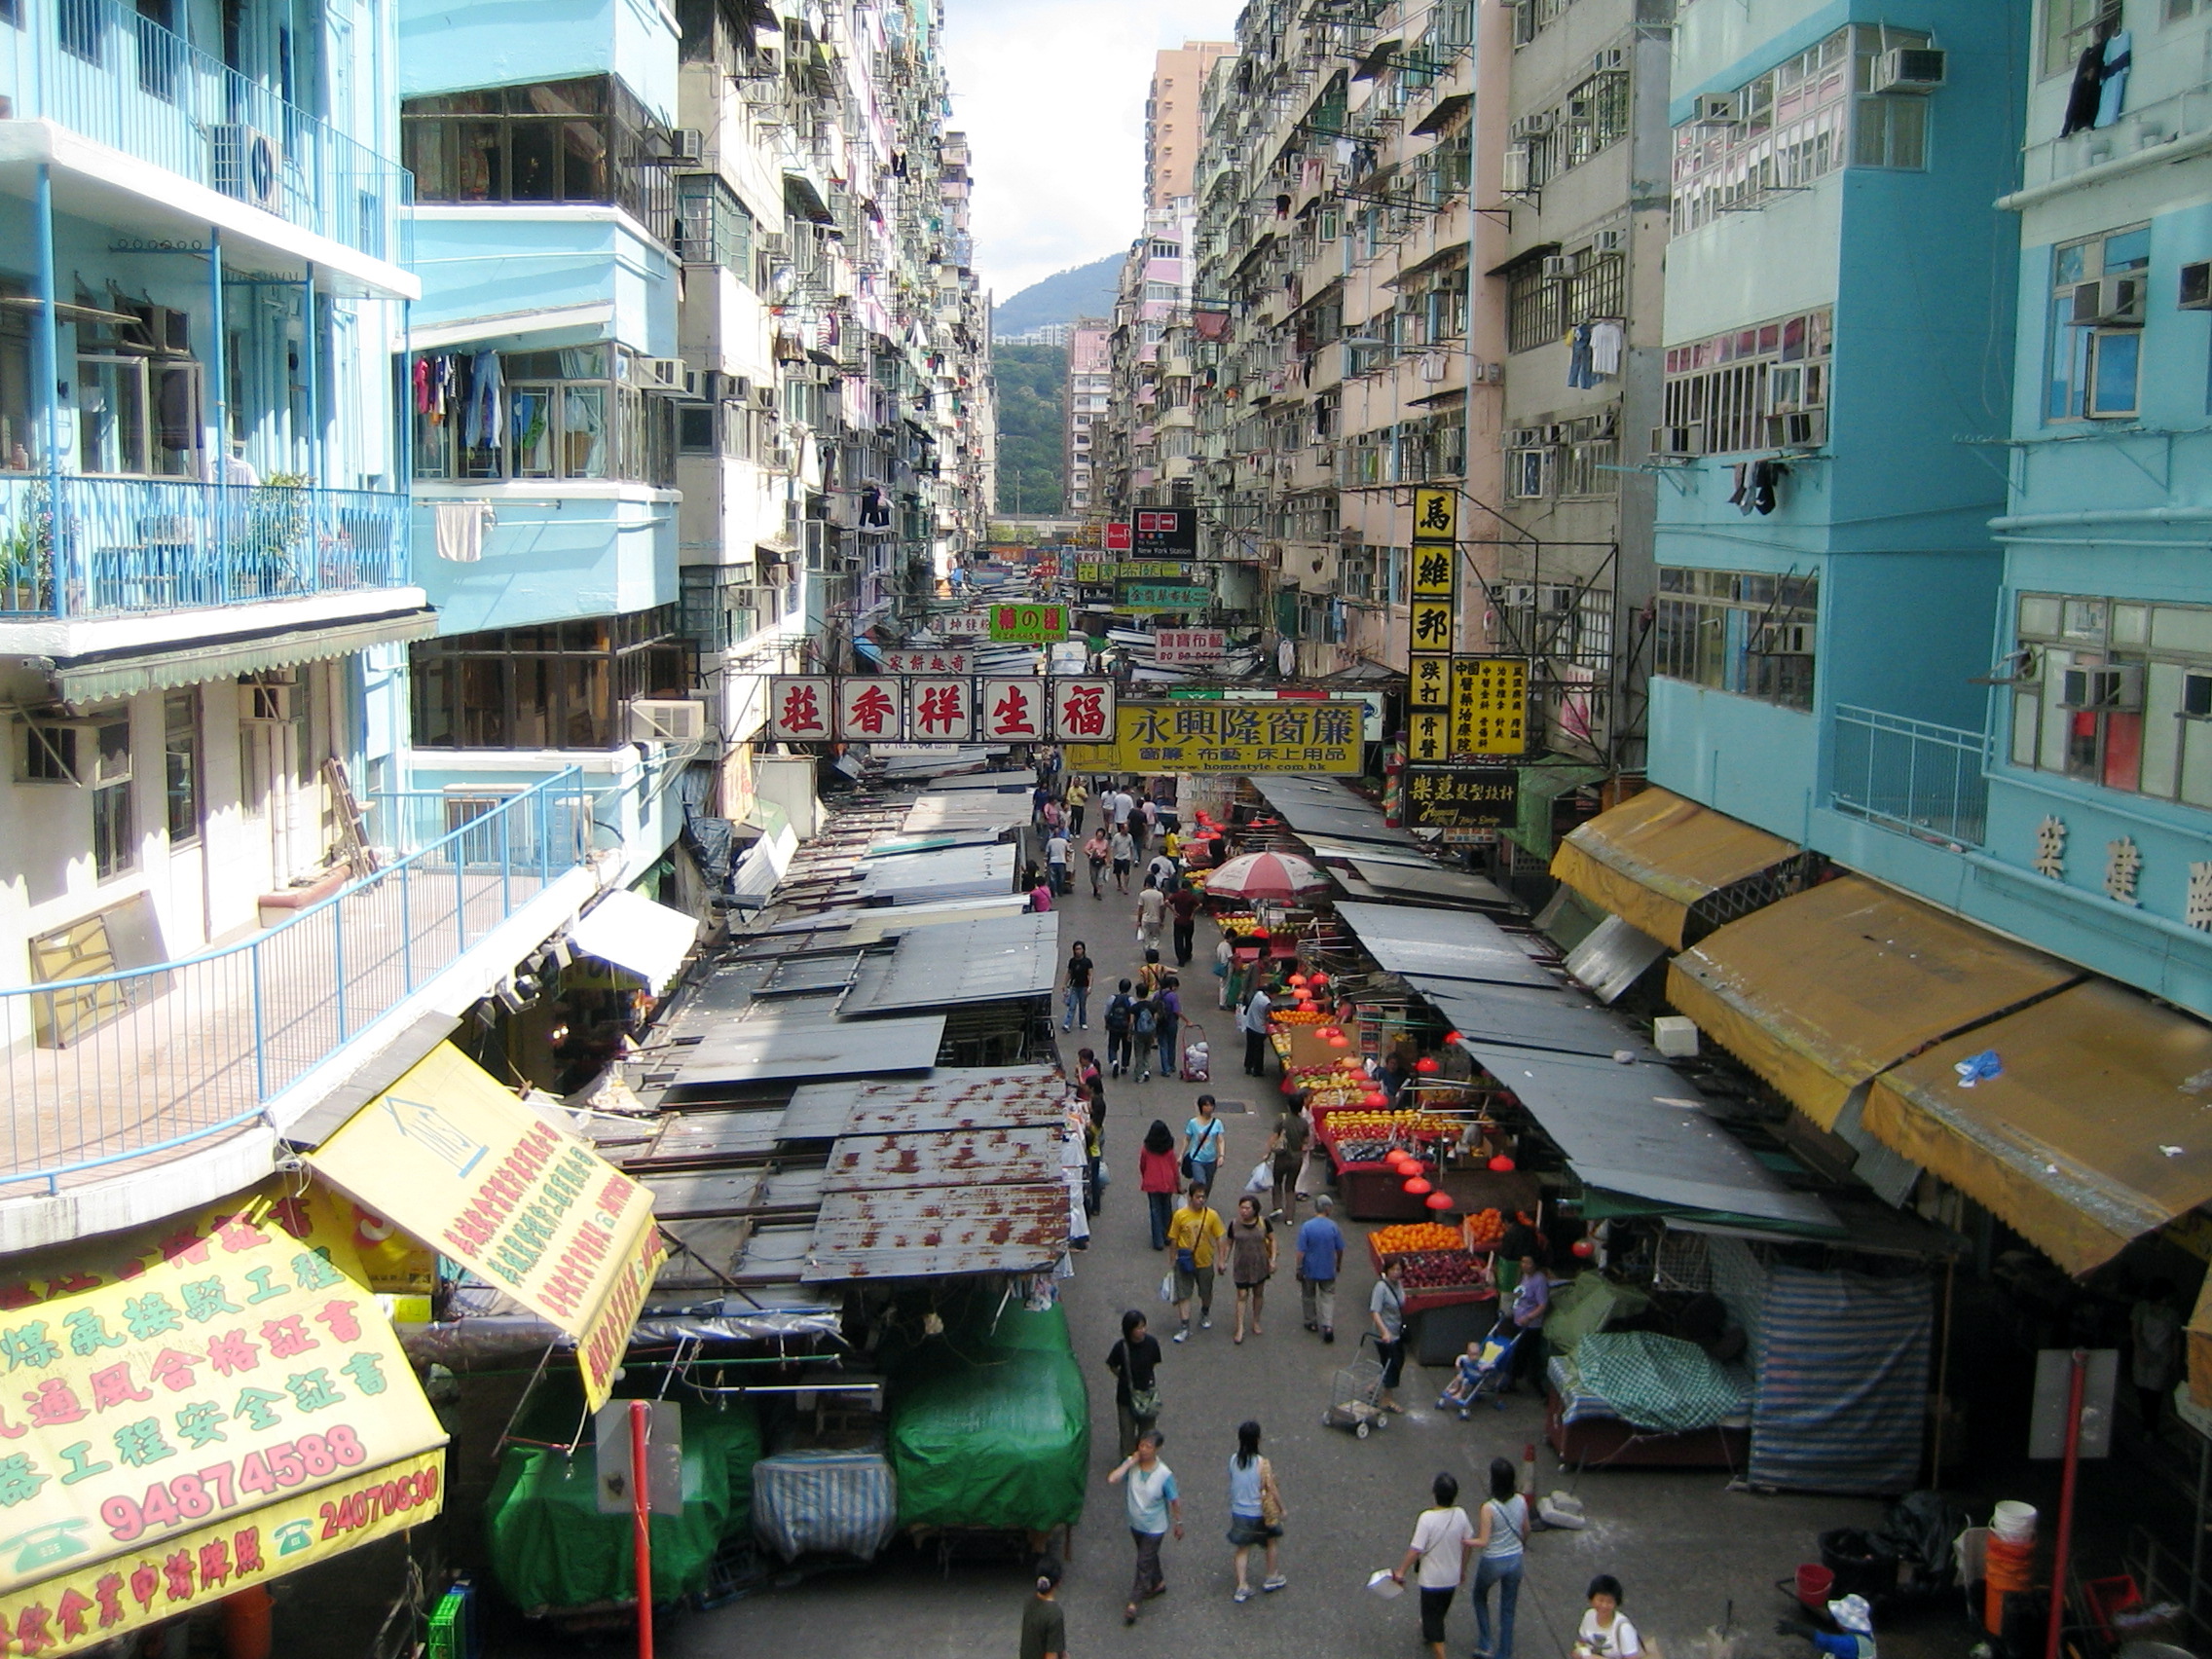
<point>536,714</point>
<point>587,721</point>
<point>2182,628</point>
<point>2197,762</point>
<point>2131,250</point>
<point>583,431</point>
<point>583,162</point>
<point>482,703</point>
<point>1909,132</point>
<point>2025,705</point>
<point>2039,615</point>
<point>478,174</point>
<point>425,150</point>
<point>2130,624</point>
<point>531,414</point>
<point>2161,731</point>
<point>530,145</point>
<point>2067,267</point>
<point>2051,756</point>
<point>2116,356</point>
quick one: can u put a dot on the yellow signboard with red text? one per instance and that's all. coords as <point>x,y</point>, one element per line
<point>449,1156</point>
<point>164,1396</point>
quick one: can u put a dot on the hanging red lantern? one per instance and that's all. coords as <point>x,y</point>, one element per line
<point>1584,1247</point>
<point>1297,979</point>
<point>1415,1186</point>
<point>1502,1164</point>
<point>1317,978</point>
<point>1427,1063</point>
<point>1450,1037</point>
<point>1339,1040</point>
<point>1375,1098</point>
<point>1439,1201</point>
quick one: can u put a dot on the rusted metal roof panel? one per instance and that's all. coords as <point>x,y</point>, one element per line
<point>936,1233</point>
<point>958,1158</point>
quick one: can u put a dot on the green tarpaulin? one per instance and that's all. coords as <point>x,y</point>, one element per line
<point>1661,1383</point>
<point>990,1426</point>
<point>550,1547</point>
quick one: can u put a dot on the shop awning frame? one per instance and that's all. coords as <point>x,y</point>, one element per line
<point>1676,869</point>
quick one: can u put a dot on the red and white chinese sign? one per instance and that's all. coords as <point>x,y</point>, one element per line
<point>943,710</point>
<point>938,660</point>
<point>1118,536</point>
<point>1013,711</point>
<point>871,710</point>
<point>964,625</point>
<point>799,707</point>
<point>1083,711</point>
<point>1189,647</point>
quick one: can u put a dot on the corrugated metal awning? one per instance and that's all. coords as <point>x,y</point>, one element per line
<point>953,1097</point>
<point>1657,858</point>
<point>1819,991</point>
<point>764,1047</point>
<point>945,1157</point>
<point>635,934</point>
<point>101,679</point>
<point>939,1231</point>
<point>1411,942</point>
<point>989,960</point>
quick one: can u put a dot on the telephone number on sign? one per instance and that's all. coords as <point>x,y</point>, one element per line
<point>184,1499</point>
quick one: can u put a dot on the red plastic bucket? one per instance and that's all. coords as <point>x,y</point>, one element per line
<point>1814,1583</point>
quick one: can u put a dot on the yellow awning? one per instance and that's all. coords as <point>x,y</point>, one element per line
<point>1655,857</point>
<point>1819,991</point>
<point>2097,1131</point>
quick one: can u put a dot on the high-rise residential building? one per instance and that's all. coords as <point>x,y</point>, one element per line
<point>1090,381</point>
<point>1171,129</point>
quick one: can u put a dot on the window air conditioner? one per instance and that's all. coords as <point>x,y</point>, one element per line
<point>2115,689</point>
<point>1714,109</point>
<point>2110,302</point>
<point>1516,170</point>
<point>685,145</point>
<point>249,166</point>
<point>2196,696</point>
<point>1686,440</point>
<point>1909,69</point>
<point>1614,240</point>
<point>2195,287</point>
<point>667,720</point>
<point>1796,429</point>
<point>663,374</point>
<point>1609,61</point>
<point>1784,639</point>
<point>269,704</point>
<point>1557,267</point>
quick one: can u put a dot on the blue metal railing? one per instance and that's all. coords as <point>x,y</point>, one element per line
<point>119,1065</point>
<point>77,547</point>
<point>122,79</point>
<point>1914,776</point>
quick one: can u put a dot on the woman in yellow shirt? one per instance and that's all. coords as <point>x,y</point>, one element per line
<point>1191,1235</point>
<point>1075,800</point>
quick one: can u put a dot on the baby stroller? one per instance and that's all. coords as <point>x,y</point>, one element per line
<point>1483,1373</point>
<point>1197,1056</point>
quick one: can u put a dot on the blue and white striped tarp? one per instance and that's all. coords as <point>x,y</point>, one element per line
<point>1842,1381</point>
<point>824,1502</point>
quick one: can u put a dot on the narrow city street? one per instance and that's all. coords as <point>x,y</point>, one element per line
<point>1692,1555</point>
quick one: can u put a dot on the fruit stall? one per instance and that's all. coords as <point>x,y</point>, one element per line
<point>1386,1163</point>
<point>1450,1290</point>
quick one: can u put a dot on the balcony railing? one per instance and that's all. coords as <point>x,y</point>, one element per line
<point>1912,776</point>
<point>100,69</point>
<point>77,547</point>
<point>125,1065</point>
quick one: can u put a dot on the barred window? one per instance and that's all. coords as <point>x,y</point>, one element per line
<point>1534,308</point>
<point>1597,288</point>
<point>1728,383</point>
<point>1740,631</point>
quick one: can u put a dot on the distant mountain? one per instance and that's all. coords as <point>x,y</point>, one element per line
<point>1086,291</point>
<point>1032,384</point>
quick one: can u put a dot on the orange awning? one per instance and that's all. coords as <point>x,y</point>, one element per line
<point>1819,991</point>
<point>1656,857</point>
<point>2097,1131</point>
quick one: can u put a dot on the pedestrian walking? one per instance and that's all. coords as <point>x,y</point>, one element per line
<point>1038,796</point>
<point>1056,862</point>
<point>1121,1025</point>
<point>1192,1232</point>
<point>1095,1171</point>
<point>1039,897</point>
<point>1149,810</point>
<point>1205,1135</point>
<point>1320,1260</point>
<point>1161,1177</point>
<point>1501,1532</point>
<point>1251,1261</point>
<point>1152,911</point>
<point>1077,798</point>
<point>1139,824</point>
<point>1531,1303</point>
<point>1155,1508</point>
<point>1605,1632</point>
<point>1183,904</point>
<point>1288,1148</point>
<point>1168,1004</point>
<point>1098,850</point>
<point>1150,974</point>
<point>1117,806</point>
<point>1144,1034</point>
<point>1123,852</point>
<point>1255,1510</point>
<point>1135,1361</point>
<point>1442,1539</point>
<point>1223,959</point>
<point>1387,1308</point>
<point>1054,816</point>
<point>1163,872</point>
<point>1044,1626</point>
<point>1252,1020</point>
<point>1077,995</point>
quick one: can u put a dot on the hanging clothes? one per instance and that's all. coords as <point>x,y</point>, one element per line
<point>2083,101</point>
<point>1766,478</point>
<point>2112,89</point>
<point>461,530</point>
<point>422,380</point>
<point>1741,499</point>
<point>1607,338</point>
<point>1578,373</point>
<point>486,401</point>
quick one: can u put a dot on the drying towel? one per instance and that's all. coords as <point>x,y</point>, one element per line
<point>460,528</point>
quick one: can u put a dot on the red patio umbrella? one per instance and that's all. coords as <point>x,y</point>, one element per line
<point>1266,875</point>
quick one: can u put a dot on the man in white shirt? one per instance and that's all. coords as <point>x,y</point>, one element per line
<point>1253,1022</point>
<point>1056,862</point>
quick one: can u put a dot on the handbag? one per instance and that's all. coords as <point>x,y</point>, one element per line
<point>1270,1501</point>
<point>1144,1403</point>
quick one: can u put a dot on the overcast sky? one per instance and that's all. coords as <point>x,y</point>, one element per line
<point>1052,93</point>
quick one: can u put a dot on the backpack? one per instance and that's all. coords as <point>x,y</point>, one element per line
<point>1118,1012</point>
<point>1148,1019</point>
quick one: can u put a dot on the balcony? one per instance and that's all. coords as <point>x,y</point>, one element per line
<point>118,1067</point>
<point>101,70</point>
<point>1917,778</point>
<point>76,547</point>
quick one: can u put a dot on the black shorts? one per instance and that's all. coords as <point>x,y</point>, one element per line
<point>1121,866</point>
<point>1434,1604</point>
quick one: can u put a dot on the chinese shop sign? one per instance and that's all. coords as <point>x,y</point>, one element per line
<point>938,708</point>
<point>160,1396</point>
<point>1027,624</point>
<point>449,1156</point>
<point>1162,596</point>
<point>1462,798</point>
<point>1191,735</point>
<point>1189,647</point>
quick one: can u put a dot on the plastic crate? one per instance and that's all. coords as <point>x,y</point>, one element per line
<point>452,1626</point>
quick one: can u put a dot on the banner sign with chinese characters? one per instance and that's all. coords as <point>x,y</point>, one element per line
<point>934,659</point>
<point>449,1156</point>
<point>1027,624</point>
<point>963,624</point>
<point>1093,573</point>
<point>1462,798</point>
<point>1202,736</point>
<point>1490,706</point>
<point>1163,531</point>
<point>889,708</point>
<point>1432,621</point>
<point>181,1572</point>
<point>1153,569</point>
<point>169,1386</point>
<point>1162,596</point>
<point>1188,648</point>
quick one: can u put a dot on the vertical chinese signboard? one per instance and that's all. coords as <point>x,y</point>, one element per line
<point>1432,626</point>
<point>1462,712</point>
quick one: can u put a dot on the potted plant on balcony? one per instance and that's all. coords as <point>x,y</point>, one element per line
<point>26,552</point>
<point>279,522</point>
